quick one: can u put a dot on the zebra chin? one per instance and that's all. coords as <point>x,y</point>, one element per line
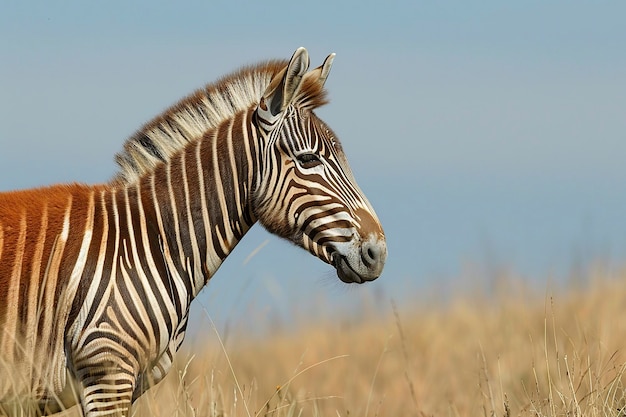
<point>361,261</point>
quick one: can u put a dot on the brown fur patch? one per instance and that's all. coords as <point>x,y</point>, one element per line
<point>312,94</point>
<point>33,204</point>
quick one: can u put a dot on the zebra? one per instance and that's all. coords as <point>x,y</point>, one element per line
<point>96,280</point>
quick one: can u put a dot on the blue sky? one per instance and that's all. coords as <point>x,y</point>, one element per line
<point>488,135</point>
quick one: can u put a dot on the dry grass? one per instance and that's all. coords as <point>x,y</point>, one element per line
<point>515,352</point>
<point>511,352</point>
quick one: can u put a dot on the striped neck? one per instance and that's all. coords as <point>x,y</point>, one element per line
<point>198,203</point>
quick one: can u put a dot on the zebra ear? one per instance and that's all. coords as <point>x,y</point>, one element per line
<point>320,73</point>
<point>283,87</point>
<point>325,68</point>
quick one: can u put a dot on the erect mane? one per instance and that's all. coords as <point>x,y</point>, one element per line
<point>189,119</point>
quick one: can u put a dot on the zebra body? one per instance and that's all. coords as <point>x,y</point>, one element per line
<point>96,281</point>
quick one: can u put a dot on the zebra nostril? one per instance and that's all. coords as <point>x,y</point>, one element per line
<point>370,254</point>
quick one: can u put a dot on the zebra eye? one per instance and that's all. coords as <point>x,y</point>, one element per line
<point>308,160</point>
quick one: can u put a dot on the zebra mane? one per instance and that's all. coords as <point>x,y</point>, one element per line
<point>205,109</point>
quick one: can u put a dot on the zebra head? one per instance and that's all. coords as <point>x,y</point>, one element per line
<point>306,192</point>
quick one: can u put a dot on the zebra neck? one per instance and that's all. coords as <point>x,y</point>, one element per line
<point>199,202</point>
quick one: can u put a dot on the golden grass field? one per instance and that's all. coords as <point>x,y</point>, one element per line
<point>509,351</point>
<point>506,351</point>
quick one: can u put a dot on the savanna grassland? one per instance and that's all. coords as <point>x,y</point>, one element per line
<point>506,351</point>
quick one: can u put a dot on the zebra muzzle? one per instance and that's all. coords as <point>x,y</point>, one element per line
<point>362,262</point>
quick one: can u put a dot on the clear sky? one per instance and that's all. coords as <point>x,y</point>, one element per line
<point>487,135</point>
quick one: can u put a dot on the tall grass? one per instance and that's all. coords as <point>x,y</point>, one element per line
<point>511,351</point>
